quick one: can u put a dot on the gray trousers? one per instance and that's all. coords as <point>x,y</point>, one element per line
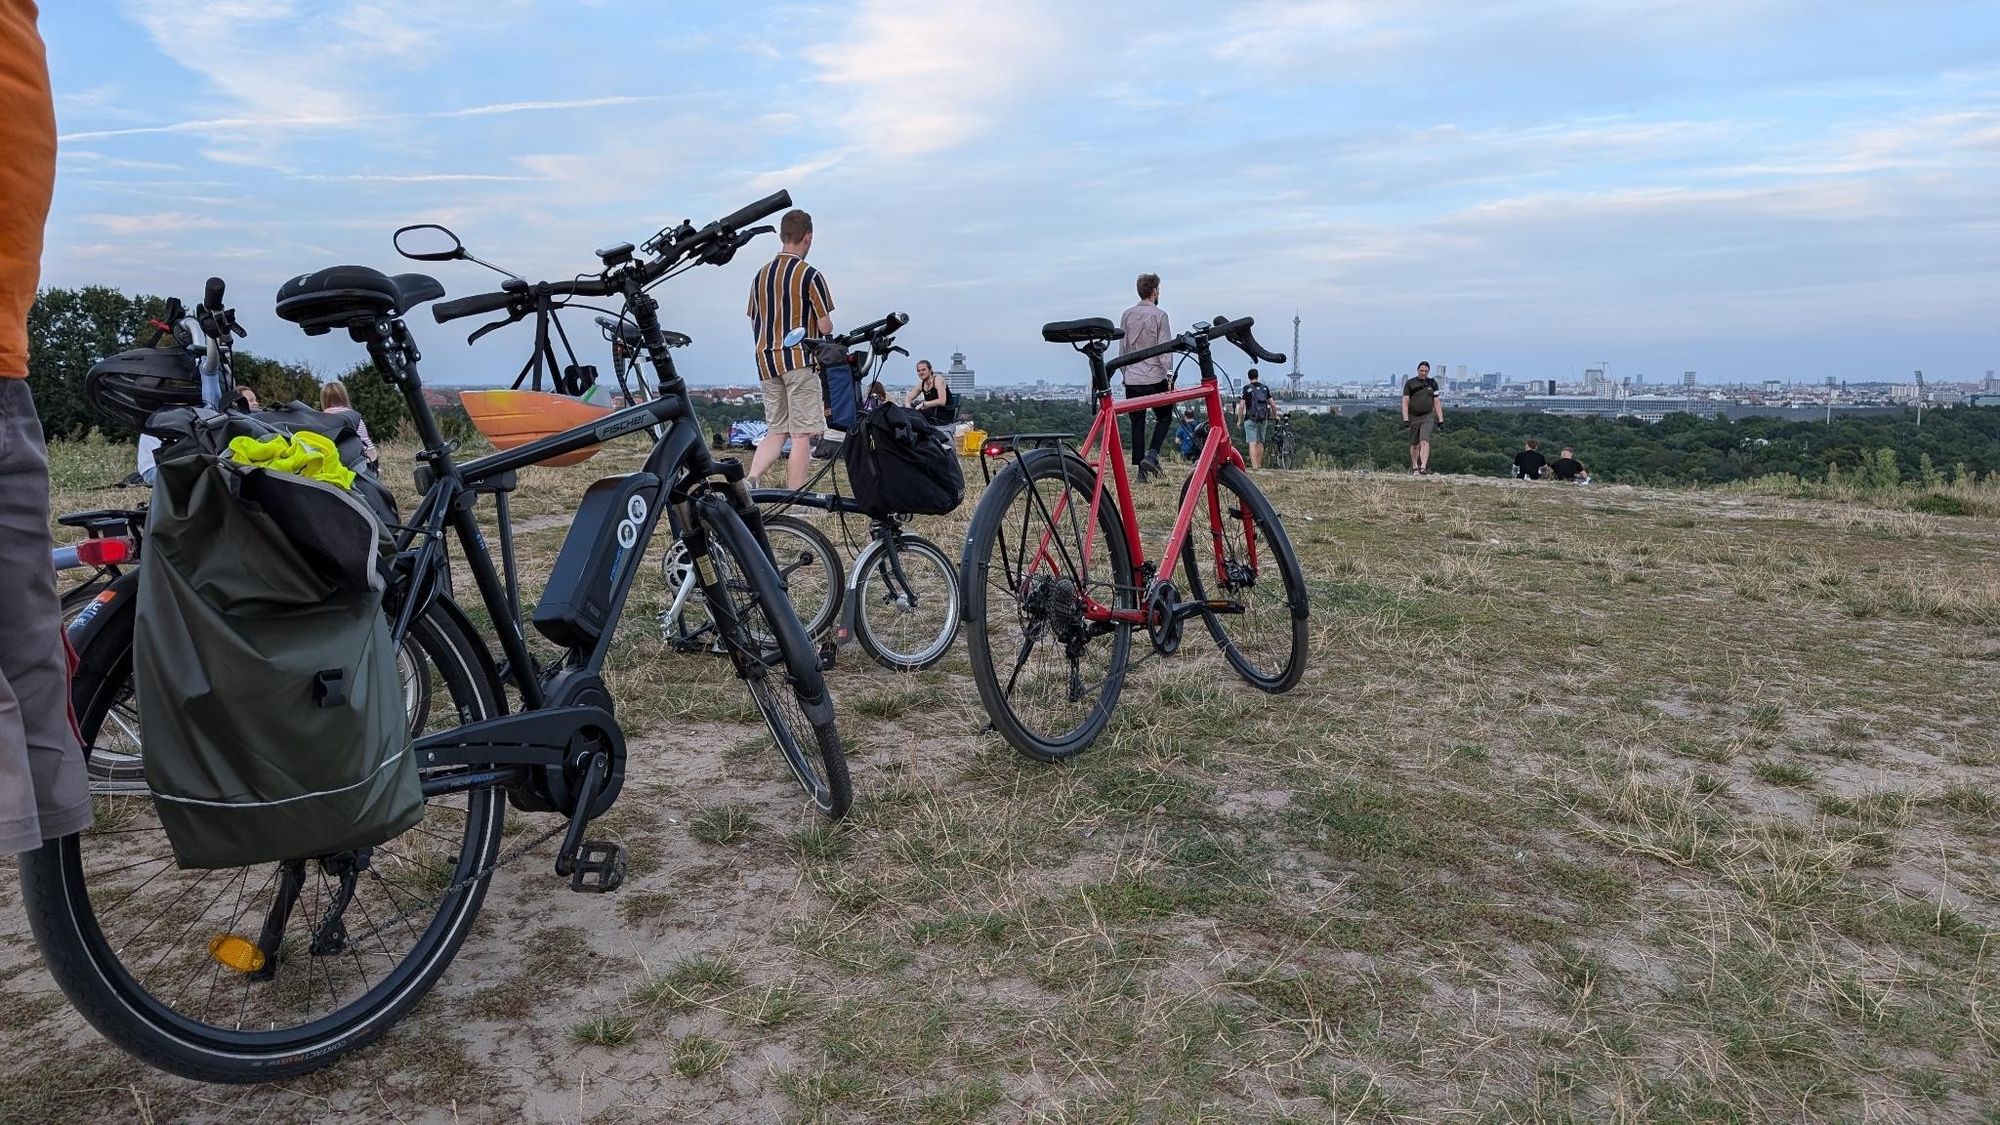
<point>43,790</point>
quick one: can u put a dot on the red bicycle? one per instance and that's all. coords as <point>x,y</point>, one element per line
<point>1055,578</point>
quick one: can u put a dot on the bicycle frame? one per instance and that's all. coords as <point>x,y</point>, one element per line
<point>1110,450</point>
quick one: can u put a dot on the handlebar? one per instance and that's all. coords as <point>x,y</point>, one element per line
<point>447,311</point>
<point>764,208</point>
<point>1221,328</point>
<point>671,247</point>
<point>211,297</point>
<point>1238,332</point>
<point>1177,344</point>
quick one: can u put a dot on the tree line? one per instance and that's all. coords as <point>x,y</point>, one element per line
<point>70,329</point>
<point>1680,449</point>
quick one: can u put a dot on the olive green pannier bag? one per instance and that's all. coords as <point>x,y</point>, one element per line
<point>270,708</point>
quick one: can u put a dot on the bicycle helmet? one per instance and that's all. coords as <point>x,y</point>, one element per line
<point>130,386</point>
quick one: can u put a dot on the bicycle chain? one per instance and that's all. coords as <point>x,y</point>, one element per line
<point>509,856</point>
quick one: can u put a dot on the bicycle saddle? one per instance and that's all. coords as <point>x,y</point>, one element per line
<point>628,333</point>
<point>335,296</point>
<point>1090,329</point>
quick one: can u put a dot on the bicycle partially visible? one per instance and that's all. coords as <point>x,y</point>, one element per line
<point>1056,578</point>
<point>259,973</point>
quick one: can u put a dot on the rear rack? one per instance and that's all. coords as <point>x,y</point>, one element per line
<point>1006,446</point>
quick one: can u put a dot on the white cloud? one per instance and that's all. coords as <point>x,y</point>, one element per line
<point>916,77</point>
<point>227,126</point>
<point>164,222</point>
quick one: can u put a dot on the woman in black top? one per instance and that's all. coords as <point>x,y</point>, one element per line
<point>931,397</point>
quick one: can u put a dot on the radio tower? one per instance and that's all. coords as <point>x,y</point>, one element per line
<point>1295,375</point>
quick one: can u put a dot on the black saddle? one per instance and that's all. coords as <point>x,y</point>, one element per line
<point>339,295</point>
<point>1089,330</point>
<point>627,333</point>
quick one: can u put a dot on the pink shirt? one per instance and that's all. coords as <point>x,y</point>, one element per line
<point>1145,325</point>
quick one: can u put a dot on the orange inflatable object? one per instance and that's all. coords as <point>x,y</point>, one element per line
<point>511,418</point>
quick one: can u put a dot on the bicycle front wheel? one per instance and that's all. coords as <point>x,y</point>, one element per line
<point>1048,674</point>
<point>253,974</point>
<point>907,613</point>
<point>1247,572</point>
<point>773,655</point>
<point>806,559</point>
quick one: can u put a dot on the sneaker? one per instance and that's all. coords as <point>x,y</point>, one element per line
<point>1152,463</point>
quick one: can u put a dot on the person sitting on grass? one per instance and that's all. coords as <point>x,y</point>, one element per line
<point>1568,468</point>
<point>1528,463</point>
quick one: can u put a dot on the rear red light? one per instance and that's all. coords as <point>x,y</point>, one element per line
<point>994,450</point>
<point>107,551</point>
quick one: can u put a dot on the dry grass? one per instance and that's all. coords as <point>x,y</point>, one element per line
<point>1595,805</point>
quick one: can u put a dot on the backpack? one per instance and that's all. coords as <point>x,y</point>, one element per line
<point>1259,397</point>
<point>1423,396</point>
<point>899,463</point>
<point>269,701</point>
<point>839,388</point>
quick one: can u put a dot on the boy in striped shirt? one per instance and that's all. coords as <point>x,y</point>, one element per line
<point>789,294</point>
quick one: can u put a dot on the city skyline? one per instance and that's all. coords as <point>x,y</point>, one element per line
<point>1741,189</point>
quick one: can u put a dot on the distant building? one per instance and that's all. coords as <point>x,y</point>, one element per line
<point>1687,379</point>
<point>1773,387</point>
<point>1490,381</point>
<point>958,376</point>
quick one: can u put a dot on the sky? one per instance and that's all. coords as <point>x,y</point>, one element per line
<point>1746,188</point>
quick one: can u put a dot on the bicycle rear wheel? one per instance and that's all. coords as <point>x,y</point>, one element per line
<point>1047,675</point>
<point>907,615</point>
<point>130,937</point>
<point>1245,562</point>
<point>773,655</point>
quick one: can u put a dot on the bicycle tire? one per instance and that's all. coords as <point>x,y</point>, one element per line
<point>83,593</point>
<point>1028,607</point>
<point>880,607</point>
<point>123,1000</point>
<point>774,656</point>
<point>1281,624</point>
<point>801,549</point>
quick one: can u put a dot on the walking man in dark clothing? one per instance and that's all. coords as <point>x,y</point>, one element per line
<point>1529,462</point>
<point>1144,325</point>
<point>1423,413</point>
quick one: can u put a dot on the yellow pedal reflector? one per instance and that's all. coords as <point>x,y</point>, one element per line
<point>236,953</point>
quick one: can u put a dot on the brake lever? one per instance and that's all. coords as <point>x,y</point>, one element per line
<point>485,328</point>
<point>898,349</point>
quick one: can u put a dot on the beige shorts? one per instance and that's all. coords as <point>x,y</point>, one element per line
<point>792,403</point>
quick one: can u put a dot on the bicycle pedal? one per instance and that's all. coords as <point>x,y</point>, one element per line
<point>600,868</point>
<point>829,655</point>
<point>1221,605</point>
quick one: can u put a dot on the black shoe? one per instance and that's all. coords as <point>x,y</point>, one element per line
<point>1152,462</point>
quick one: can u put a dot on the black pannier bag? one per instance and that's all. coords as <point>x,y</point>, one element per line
<point>899,463</point>
<point>270,705</point>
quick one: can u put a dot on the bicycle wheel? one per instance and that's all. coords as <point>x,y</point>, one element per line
<point>806,560</point>
<point>127,935</point>
<point>104,669</point>
<point>773,656</point>
<point>1048,676</point>
<point>1260,625</point>
<point>907,615</point>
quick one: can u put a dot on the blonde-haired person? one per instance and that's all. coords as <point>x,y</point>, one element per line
<point>333,400</point>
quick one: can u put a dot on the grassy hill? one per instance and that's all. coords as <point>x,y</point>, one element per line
<point>1596,804</point>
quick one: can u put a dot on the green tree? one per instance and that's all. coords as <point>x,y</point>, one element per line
<point>381,405</point>
<point>275,381</point>
<point>70,329</point>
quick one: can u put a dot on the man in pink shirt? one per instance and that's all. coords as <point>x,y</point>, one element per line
<point>1145,325</point>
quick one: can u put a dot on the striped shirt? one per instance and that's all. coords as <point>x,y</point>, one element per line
<point>787,294</point>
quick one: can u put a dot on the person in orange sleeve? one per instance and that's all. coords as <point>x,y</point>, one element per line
<point>43,792</point>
